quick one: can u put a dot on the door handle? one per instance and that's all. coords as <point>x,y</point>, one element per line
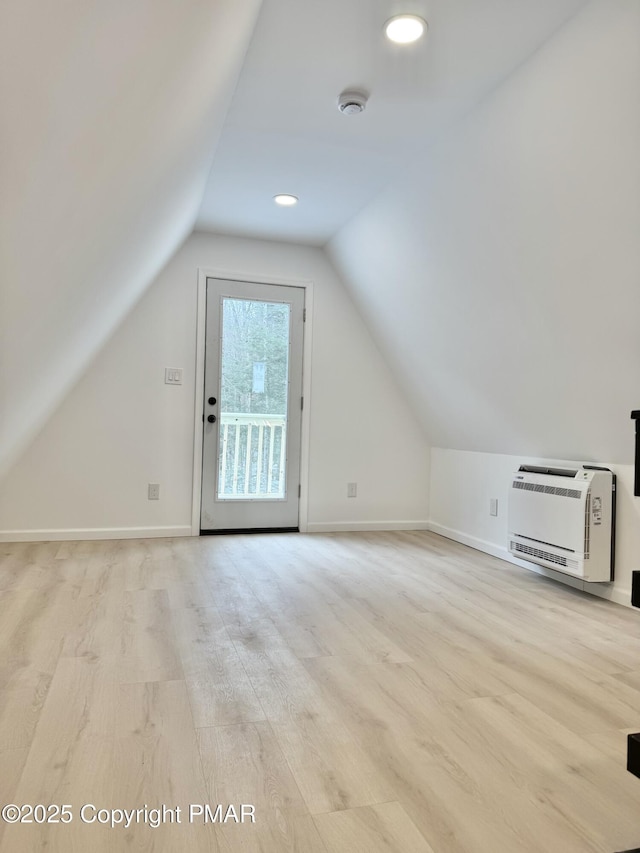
<point>212,401</point>
<point>211,419</point>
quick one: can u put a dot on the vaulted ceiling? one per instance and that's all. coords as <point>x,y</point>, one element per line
<point>284,133</point>
<point>456,205</point>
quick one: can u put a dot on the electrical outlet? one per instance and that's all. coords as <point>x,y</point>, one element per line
<point>352,490</point>
<point>493,506</point>
<point>173,376</point>
<point>153,492</point>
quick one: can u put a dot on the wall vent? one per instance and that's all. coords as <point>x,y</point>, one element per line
<point>543,555</point>
<point>547,490</point>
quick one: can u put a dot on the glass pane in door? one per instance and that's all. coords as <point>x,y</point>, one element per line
<point>254,367</point>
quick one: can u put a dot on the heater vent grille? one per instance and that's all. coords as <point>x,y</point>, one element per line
<point>547,490</point>
<point>548,556</point>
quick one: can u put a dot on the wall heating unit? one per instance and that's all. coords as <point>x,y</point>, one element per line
<point>564,519</point>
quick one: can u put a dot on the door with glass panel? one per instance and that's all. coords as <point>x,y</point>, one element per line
<point>252,406</point>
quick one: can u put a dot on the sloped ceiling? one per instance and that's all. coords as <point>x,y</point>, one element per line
<point>284,133</point>
<point>501,272</point>
<point>497,263</point>
<point>110,116</point>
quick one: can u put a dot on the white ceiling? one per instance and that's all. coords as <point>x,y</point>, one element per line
<point>283,132</point>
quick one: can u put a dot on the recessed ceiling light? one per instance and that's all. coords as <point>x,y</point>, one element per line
<point>404,29</point>
<point>285,200</point>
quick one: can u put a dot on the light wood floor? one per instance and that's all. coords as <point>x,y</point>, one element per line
<point>367,693</point>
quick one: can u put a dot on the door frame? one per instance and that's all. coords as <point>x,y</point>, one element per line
<point>203,274</point>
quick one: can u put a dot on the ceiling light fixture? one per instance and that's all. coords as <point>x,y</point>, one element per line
<point>285,200</point>
<point>405,29</point>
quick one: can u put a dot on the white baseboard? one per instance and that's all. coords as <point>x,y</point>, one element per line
<point>93,533</point>
<point>607,591</point>
<point>471,541</point>
<point>363,526</point>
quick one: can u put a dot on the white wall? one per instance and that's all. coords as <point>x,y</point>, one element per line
<point>121,427</point>
<point>463,482</point>
<point>110,117</point>
<point>500,272</point>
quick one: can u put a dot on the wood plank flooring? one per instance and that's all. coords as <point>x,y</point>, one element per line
<point>365,693</point>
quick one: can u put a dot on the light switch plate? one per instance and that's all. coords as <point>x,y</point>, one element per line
<point>173,376</point>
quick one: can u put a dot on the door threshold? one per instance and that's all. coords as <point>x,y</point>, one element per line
<point>249,530</point>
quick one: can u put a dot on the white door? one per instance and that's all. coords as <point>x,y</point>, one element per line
<point>252,406</point>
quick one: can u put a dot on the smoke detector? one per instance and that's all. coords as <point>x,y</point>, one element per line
<point>351,102</point>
